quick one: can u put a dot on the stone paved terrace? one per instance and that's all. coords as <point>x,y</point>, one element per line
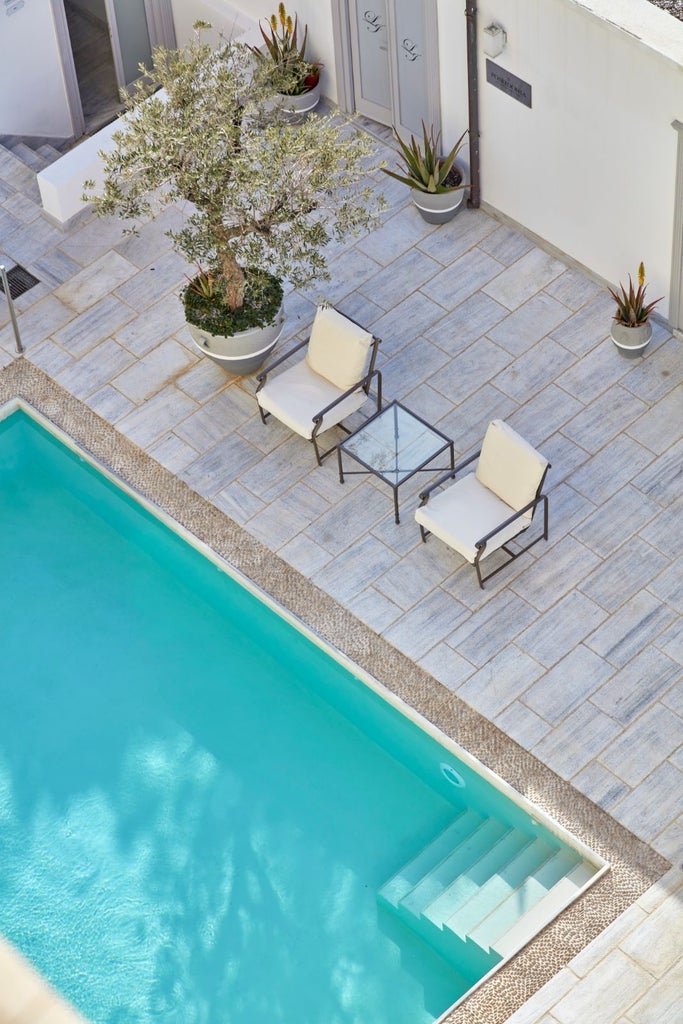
<point>575,651</point>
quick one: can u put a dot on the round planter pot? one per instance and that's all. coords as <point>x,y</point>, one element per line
<point>631,341</point>
<point>439,207</point>
<point>299,106</point>
<point>240,353</point>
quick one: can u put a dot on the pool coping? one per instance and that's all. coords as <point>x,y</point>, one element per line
<point>634,865</point>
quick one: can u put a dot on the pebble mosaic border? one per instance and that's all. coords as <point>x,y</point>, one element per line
<point>634,865</point>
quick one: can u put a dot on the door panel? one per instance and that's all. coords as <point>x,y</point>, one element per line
<point>370,53</point>
<point>129,37</point>
<point>411,103</point>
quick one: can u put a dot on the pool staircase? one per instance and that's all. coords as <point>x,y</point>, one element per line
<point>481,889</point>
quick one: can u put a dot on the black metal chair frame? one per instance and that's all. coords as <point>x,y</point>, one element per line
<point>317,419</point>
<point>483,541</point>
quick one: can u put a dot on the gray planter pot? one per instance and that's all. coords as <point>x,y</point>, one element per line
<point>299,106</point>
<point>439,207</point>
<point>240,353</point>
<point>631,341</point>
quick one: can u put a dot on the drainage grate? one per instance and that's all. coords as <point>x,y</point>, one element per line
<point>20,280</point>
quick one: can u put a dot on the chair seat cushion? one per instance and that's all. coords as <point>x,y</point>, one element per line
<point>296,395</point>
<point>465,512</point>
<point>338,348</point>
<point>509,466</point>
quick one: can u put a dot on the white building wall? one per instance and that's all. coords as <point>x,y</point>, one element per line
<point>33,100</point>
<point>591,166</point>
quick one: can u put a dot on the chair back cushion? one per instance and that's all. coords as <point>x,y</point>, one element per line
<point>338,348</point>
<point>509,466</point>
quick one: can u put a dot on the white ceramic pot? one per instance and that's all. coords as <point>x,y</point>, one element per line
<point>439,207</point>
<point>240,353</point>
<point>299,106</point>
<point>631,341</point>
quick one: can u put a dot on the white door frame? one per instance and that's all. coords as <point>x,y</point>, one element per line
<point>676,300</point>
<point>343,59</point>
<point>73,93</point>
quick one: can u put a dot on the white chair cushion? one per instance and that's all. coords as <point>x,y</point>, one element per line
<point>338,348</point>
<point>296,395</point>
<point>465,512</point>
<point>509,466</point>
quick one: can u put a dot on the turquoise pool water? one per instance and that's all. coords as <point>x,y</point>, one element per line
<point>198,805</point>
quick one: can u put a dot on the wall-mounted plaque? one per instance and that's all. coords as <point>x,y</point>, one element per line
<point>509,83</point>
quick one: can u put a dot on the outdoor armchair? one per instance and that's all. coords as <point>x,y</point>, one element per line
<point>330,383</point>
<point>486,509</point>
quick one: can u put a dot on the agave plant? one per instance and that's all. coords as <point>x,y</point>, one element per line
<point>631,307</point>
<point>425,169</point>
<point>292,73</point>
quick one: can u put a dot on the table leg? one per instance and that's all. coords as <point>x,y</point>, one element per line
<point>396,516</point>
<point>452,456</point>
<point>339,463</point>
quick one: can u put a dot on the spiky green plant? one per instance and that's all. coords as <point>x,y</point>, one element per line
<point>255,190</point>
<point>631,307</point>
<point>425,169</point>
<point>291,73</point>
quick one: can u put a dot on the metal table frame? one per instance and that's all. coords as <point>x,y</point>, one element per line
<point>368,468</point>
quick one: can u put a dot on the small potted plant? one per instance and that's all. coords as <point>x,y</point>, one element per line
<point>295,78</point>
<point>632,330</point>
<point>436,182</point>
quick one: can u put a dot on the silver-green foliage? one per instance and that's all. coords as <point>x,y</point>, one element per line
<point>257,190</point>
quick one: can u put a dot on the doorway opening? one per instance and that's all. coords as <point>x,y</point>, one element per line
<point>98,86</point>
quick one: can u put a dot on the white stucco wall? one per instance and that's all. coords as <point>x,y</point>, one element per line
<point>33,99</point>
<point>591,166</point>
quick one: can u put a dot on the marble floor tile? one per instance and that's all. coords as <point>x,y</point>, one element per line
<point>562,628</point>
<point>421,628</point>
<point>526,276</point>
<point>567,685</point>
<point>625,573</point>
<point>627,632</point>
<point>636,686</point>
<point>469,321</point>
<point>605,473</point>
<point>461,279</point>
<point>528,324</point>
<point>400,278</point>
<point>501,681</point>
<point>95,281</point>
<point>659,427</point>
<point>470,370</point>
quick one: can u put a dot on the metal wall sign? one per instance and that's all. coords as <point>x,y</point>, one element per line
<point>508,83</point>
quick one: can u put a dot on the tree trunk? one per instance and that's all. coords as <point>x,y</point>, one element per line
<point>233,280</point>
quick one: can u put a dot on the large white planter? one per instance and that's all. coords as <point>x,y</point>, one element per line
<point>631,341</point>
<point>439,207</point>
<point>299,106</point>
<point>240,353</point>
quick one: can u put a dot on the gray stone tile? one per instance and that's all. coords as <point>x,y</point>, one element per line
<point>470,370</point>
<point>565,457</point>
<point>533,371</point>
<point>567,509</point>
<point>54,268</point>
<point>660,427</point>
<point>665,532</point>
<point>600,786</point>
<point>671,641</point>
<point>669,842</point>
<point>468,422</point>
<point>360,308</point>
<point>8,224</point>
<point>461,279</point>
<point>173,453</point>
<point>652,378</point>
<point>154,371</point>
<point>506,245</point>
<point>500,682</point>
<point>534,1010</point>
<point>447,666</point>
<point>524,278</point>
<point>95,369</point>
<point>349,272</point>
<point>576,740</point>
<point>605,473</point>
<point>522,724</point>
<point>204,380</point>
<point>421,628</point>
<point>636,686</point>
<point>468,321</point>
<point>644,745</point>
<point>588,327</point>
<point>663,478</point>
<point>50,357</point>
<point>484,635</point>
<point>573,288</point>
<point>603,419</point>
<point>237,502</point>
<point>615,522</point>
<point>149,422</point>
<point>98,322</point>
<point>567,685</point>
<point>543,415</point>
<point>414,364</point>
<point>646,947</point>
<point>145,287</point>
<point>110,404</point>
<point>528,324</point>
<point>655,803</point>
<point>86,244</point>
<point>151,239</point>
<point>217,467</point>
<point>355,569</point>
<point>398,234</point>
<point>287,516</point>
<point>153,326</point>
<point>428,403</point>
<point>593,373</point>
<point>31,241</point>
<point>555,571</point>
<point>216,419</point>
<point>95,281</point>
<point>627,571</point>
<point>38,323</point>
<point>305,555</point>
<point>451,240</point>
<point>410,319</point>
<point>399,279</point>
<point>373,608</point>
<point>669,585</point>
<point>561,629</point>
<point>633,627</point>
<point>352,516</point>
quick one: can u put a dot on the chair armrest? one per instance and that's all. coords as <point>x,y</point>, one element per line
<point>318,418</point>
<point>481,544</point>
<point>261,377</point>
<point>440,481</point>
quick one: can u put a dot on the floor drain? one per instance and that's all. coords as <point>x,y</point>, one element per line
<point>20,280</point>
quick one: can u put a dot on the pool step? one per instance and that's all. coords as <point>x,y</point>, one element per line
<point>482,889</point>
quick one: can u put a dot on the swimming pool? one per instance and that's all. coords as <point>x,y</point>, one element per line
<point>207,817</point>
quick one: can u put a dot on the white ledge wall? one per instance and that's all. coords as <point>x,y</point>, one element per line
<point>591,167</point>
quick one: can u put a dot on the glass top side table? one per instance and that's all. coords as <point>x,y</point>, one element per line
<point>394,445</point>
